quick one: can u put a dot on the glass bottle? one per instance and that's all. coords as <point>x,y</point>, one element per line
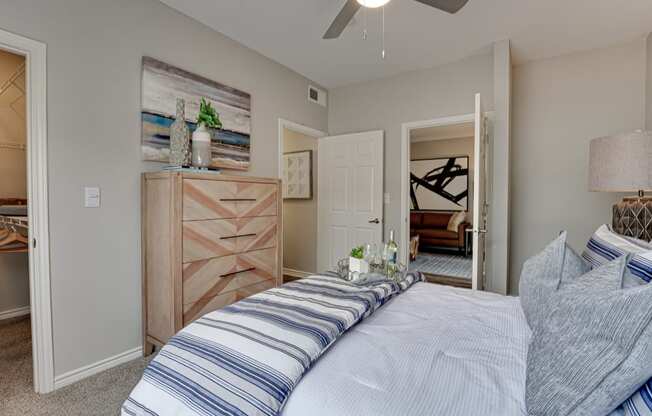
<point>180,137</point>
<point>390,255</point>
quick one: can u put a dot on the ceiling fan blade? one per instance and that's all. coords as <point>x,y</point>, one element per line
<point>450,6</point>
<point>342,20</point>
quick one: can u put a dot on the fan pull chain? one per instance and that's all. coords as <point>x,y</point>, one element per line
<point>364,31</point>
<point>383,31</point>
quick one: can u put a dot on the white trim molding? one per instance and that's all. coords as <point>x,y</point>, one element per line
<point>296,273</point>
<point>95,368</point>
<point>35,54</point>
<point>14,313</point>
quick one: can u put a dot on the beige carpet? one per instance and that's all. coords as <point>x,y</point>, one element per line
<point>101,394</point>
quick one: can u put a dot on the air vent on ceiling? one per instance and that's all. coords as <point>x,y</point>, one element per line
<point>317,95</point>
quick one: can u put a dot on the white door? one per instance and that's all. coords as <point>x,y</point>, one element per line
<point>350,189</point>
<point>479,198</point>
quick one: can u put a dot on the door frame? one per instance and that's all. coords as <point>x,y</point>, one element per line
<point>35,54</point>
<point>308,131</point>
<point>406,128</point>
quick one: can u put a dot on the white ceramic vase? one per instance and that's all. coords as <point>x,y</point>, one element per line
<point>201,147</point>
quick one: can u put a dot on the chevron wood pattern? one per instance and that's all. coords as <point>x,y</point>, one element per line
<point>208,241</point>
<point>207,278</point>
<point>204,200</point>
<point>191,312</point>
<point>214,238</point>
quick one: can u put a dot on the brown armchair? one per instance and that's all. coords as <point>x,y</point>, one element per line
<point>431,227</point>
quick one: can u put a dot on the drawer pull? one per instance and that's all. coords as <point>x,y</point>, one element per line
<point>238,272</point>
<point>238,199</point>
<point>236,236</point>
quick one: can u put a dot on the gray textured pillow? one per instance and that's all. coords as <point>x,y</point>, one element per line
<point>589,347</point>
<point>542,274</point>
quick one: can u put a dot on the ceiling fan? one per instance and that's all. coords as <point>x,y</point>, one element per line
<point>351,7</point>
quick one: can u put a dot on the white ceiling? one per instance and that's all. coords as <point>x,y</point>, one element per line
<point>417,36</point>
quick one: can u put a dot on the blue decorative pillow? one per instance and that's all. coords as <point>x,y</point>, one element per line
<point>640,404</point>
<point>605,246</point>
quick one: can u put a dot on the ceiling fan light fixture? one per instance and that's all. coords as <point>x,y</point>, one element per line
<point>372,4</point>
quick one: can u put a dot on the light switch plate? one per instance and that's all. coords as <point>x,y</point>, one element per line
<point>387,198</point>
<point>91,197</point>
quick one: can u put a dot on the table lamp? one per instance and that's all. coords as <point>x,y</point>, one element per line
<point>621,163</point>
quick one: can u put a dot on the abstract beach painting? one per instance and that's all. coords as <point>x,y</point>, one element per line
<point>162,84</point>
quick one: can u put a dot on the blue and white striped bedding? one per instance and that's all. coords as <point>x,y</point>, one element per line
<point>603,247</point>
<point>640,404</point>
<point>246,358</point>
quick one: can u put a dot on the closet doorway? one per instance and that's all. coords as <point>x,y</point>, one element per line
<point>298,172</point>
<point>26,350</point>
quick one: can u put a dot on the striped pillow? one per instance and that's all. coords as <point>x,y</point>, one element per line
<point>605,245</point>
<point>640,404</point>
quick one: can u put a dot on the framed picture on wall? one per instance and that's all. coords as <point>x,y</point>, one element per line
<point>440,184</point>
<point>297,175</point>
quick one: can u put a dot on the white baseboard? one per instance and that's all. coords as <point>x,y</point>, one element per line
<point>296,273</point>
<point>14,313</point>
<point>92,369</point>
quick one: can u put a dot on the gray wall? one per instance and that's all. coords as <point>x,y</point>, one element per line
<point>300,215</point>
<point>648,83</point>
<point>94,64</point>
<point>385,104</point>
<point>559,105</point>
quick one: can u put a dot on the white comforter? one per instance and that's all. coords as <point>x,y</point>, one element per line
<point>434,350</point>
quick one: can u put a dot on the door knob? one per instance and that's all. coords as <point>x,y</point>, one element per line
<point>374,221</point>
<point>480,231</point>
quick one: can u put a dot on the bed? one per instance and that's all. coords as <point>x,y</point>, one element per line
<point>434,350</point>
<point>430,350</point>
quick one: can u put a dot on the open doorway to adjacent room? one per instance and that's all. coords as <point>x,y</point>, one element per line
<point>441,202</point>
<point>298,149</point>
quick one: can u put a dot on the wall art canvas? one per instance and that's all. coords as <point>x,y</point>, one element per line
<point>297,175</point>
<point>440,184</point>
<point>162,84</point>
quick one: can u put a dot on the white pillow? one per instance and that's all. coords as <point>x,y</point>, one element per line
<point>455,220</point>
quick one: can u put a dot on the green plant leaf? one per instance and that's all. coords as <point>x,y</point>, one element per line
<point>208,116</point>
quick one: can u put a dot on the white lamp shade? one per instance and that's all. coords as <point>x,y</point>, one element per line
<point>621,163</point>
<point>373,3</point>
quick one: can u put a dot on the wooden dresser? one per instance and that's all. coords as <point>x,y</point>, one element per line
<point>208,240</point>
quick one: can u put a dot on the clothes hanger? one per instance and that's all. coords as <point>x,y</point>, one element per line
<point>13,237</point>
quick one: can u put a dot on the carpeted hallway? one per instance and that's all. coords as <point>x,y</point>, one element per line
<point>101,394</point>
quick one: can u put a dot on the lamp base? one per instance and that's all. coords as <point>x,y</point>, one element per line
<point>632,217</point>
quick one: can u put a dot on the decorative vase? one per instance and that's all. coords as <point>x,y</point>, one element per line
<point>201,147</point>
<point>180,137</point>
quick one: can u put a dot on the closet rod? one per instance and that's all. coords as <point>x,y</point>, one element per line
<point>14,146</point>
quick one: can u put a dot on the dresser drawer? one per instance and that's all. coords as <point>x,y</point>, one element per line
<point>205,199</point>
<point>198,309</point>
<point>206,279</point>
<point>205,239</point>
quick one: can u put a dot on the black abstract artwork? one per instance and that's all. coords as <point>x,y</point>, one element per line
<point>439,184</point>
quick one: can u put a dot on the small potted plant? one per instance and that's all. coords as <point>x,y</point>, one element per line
<point>357,263</point>
<point>201,137</point>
